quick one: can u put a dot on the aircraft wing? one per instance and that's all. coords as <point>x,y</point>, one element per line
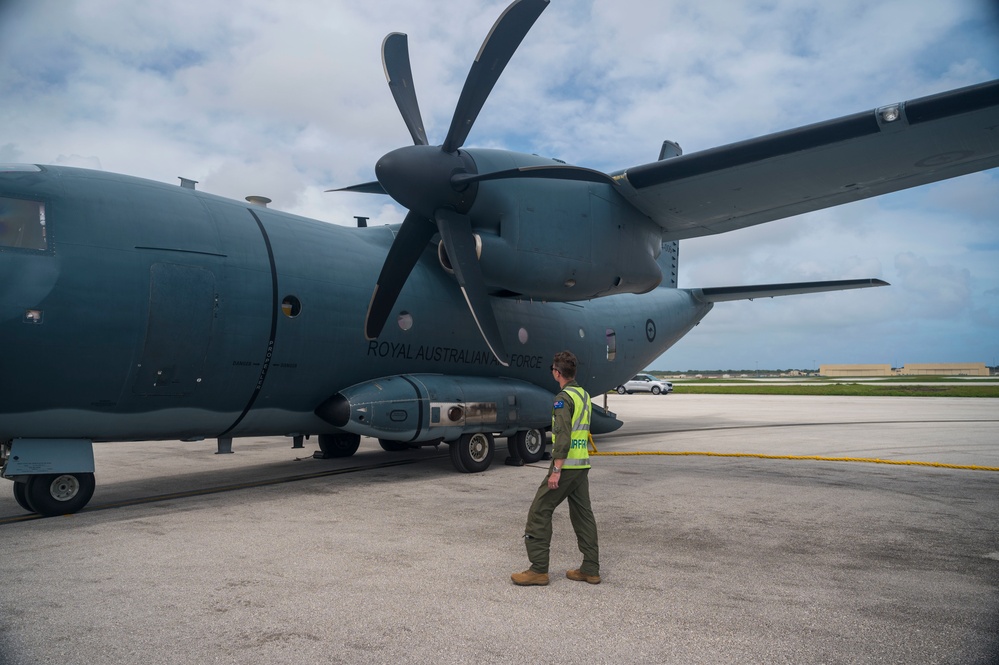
<point>819,166</point>
<point>728,293</point>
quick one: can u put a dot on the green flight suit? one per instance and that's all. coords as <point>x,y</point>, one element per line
<point>574,486</point>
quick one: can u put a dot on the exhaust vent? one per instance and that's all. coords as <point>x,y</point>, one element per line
<point>261,201</point>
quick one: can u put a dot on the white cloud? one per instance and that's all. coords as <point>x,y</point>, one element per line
<point>938,291</point>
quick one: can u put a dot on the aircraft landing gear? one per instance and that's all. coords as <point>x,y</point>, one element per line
<point>66,491</point>
<point>54,494</point>
<point>530,445</point>
<point>21,496</point>
<point>337,445</point>
<point>472,453</point>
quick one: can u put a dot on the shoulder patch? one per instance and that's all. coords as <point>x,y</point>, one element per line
<point>559,404</point>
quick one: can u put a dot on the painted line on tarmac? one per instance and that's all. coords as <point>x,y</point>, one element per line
<point>224,488</point>
<point>818,458</point>
<point>721,428</point>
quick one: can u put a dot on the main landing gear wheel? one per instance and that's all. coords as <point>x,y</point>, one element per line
<point>21,496</point>
<point>59,494</point>
<point>472,453</point>
<point>338,445</point>
<point>621,390</point>
<point>531,445</point>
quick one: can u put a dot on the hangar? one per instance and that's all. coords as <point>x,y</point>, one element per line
<point>910,369</point>
<point>945,369</point>
<point>855,370</point>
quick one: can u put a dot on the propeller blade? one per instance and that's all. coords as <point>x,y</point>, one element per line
<point>364,188</point>
<point>555,172</point>
<point>497,49</point>
<point>409,244</point>
<point>395,59</point>
<point>456,232</point>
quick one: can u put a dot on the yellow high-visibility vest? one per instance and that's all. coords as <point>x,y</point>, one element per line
<point>579,454</point>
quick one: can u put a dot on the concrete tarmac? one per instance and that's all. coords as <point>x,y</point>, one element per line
<point>704,559</point>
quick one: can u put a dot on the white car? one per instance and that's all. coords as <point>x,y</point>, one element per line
<point>645,383</point>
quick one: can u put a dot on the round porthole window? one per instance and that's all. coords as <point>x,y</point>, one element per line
<point>522,335</point>
<point>405,320</point>
<point>291,306</point>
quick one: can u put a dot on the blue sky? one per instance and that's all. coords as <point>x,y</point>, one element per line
<point>289,99</point>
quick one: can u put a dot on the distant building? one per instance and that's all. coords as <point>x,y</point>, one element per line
<point>911,369</point>
<point>855,370</point>
<point>945,369</point>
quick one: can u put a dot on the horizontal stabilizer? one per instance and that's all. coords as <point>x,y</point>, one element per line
<point>727,293</point>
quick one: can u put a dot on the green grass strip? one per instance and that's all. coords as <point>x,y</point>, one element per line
<point>844,389</point>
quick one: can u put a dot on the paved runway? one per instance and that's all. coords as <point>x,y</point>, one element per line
<point>704,559</point>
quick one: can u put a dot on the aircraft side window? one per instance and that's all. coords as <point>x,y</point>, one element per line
<point>611,344</point>
<point>405,320</point>
<point>22,224</point>
<point>291,306</point>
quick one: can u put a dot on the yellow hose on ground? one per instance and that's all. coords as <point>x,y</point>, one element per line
<point>868,460</point>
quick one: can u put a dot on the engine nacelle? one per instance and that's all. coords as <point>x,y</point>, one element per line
<point>560,240</point>
<point>425,407</point>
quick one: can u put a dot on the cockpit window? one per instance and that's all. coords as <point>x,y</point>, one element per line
<point>22,224</point>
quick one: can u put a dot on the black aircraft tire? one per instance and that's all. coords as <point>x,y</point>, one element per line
<point>59,493</point>
<point>454,449</point>
<point>339,445</point>
<point>393,446</point>
<point>621,390</point>
<point>531,445</point>
<point>21,496</point>
<point>474,452</point>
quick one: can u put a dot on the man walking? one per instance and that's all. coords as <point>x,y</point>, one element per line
<point>567,479</point>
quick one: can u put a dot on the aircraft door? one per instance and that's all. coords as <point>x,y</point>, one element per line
<point>179,329</point>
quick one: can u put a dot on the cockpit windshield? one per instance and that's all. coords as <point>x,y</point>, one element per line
<point>22,224</point>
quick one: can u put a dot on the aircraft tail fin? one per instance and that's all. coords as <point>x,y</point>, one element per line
<point>727,293</point>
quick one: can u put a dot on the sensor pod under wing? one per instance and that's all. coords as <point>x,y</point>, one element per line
<point>420,408</point>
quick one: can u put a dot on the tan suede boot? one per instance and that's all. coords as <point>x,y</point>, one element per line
<point>530,578</point>
<point>578,576</point>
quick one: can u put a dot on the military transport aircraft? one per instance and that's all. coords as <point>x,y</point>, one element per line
<point>134,310</point>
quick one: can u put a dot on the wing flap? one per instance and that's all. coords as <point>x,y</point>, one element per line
<point>820,166</point>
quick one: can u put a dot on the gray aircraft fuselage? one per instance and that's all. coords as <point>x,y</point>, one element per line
<point>131,309</point>
<point>157,311</point>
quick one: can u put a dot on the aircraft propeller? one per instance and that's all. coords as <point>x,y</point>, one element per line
<point>437,184</point>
